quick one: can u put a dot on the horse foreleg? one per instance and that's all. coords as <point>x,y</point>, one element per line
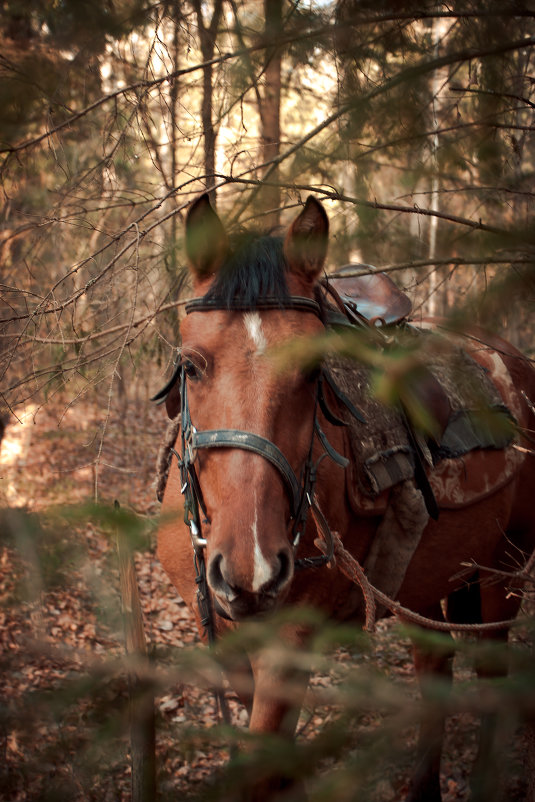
<point>432,663</point>
<point>239,672</point>
<point>278,696</point>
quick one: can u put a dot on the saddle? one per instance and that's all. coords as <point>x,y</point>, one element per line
<point>367,294</point>
<point>372,299</point>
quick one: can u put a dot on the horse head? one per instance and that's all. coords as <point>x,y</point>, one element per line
<point>248,422</point>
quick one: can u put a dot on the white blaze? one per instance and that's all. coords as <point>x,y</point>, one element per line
<point>262,571</point>
<point>253,325</point>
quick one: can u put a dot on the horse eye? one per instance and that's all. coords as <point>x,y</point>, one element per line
<point>190,369</point>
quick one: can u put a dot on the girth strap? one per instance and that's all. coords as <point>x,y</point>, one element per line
<point>235,438</point>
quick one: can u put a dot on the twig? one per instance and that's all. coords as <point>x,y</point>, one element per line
<point>116,370</point>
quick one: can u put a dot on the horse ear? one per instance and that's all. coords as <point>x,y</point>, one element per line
<point>305,246</point>
<point>206,239</point>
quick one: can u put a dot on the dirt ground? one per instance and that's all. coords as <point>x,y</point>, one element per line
<point>64,727</point>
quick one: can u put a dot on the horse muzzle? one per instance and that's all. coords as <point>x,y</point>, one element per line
<point>238,595</point>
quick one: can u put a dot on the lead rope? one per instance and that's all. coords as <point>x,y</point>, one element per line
<point>207,620</point>
<point>352,569</point>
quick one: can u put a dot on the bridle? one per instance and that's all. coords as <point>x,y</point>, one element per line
<point>300,490</point>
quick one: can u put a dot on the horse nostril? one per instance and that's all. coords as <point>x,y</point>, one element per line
<point>283,576</point>
<point>285,571</point>
<point>216,578</point>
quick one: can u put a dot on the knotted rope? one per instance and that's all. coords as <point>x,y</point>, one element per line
<point>352,569</point>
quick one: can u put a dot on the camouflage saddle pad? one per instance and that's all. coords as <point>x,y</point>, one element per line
<point>478,432</point>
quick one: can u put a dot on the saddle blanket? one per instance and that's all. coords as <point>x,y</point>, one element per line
<point>473,457</point>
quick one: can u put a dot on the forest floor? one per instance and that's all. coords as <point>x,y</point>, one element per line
<point>64,726</point>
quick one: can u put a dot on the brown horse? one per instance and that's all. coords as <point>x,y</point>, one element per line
<point>249,442</point>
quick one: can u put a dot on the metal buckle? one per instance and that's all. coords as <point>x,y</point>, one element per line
<point>190,439</point>
<point>199,543</point>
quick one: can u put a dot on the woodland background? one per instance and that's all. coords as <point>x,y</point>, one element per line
<point>412,122</point>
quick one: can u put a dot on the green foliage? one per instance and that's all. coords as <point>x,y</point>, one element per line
<point>67,712</point>
<point>49,557</point>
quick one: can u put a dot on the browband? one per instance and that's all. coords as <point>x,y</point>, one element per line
<point>270,302</point>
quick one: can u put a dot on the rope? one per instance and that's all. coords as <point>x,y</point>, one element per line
<point>354,571</point>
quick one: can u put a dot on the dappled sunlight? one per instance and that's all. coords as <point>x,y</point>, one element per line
<point>14,450</point>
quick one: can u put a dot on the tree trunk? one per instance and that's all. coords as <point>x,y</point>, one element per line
<point>439,79</point>
<point>173,102</point>
<point>208,36</point>
<point>142,716</point>
<point>270,113</point>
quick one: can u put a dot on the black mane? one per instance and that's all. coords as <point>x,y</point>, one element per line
<point>254,270</point>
